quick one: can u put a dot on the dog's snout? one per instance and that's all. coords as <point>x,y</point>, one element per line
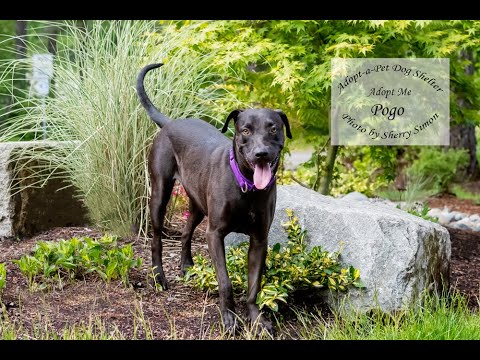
<point>261,154</point>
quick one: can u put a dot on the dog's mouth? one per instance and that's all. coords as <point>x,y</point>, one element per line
<point>262,173</point>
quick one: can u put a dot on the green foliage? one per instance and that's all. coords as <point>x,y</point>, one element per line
<point>286,64</point>
<point>94,111</point>
<point>287,269</point>
<point>438,317</point>
<point>53,262</point>
<point>423,212</point>
<point>363,169</point>
<point>439,167</point>
<point>7,31</point>
<point>465,194</point>
<point>3,279</point>
<point>14,84</point>
<point>415,191</point>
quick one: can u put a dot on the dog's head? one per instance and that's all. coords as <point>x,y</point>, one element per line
<point>259,139</point>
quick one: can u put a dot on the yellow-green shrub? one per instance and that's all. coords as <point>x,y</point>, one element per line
<point>287,269</point>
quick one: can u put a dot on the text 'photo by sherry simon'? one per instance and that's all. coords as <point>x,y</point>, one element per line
<point>390,101</point>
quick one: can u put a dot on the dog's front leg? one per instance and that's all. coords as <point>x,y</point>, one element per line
<point>216,249</point>
<point>257,253</point>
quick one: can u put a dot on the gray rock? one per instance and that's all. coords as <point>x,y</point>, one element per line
<point>460,225</point>
<point>474,218</point>
<point>466,221</point>
<point>383,201</point>
<point>435,212</point>
<point>35,209</point>
<point>356,196</point>
<point>6,206</point>
<point>458,215</point>
<point>445,218</point>
<point>399,255</point>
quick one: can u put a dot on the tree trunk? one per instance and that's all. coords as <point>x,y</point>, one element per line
<point>19,83</point>
<point>20,43</point>
<point>327,179</point>
<point>462,136</point>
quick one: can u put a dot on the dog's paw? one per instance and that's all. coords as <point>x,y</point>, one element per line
<point>185,264</point>
<point>159,283</point>
<point>230,322</point>
<point>260,324</point>
<point>266,325</point>
<point>184,268</point>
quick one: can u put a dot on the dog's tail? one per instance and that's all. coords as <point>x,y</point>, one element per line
<point>152,111</point>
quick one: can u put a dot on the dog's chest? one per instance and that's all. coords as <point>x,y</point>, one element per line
<point>253,216</point>
<point>250,218</point>
<point>246,222</point>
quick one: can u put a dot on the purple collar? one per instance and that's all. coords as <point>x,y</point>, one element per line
<point>245,184</point>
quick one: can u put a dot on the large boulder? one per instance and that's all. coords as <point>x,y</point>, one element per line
<point>399,255</point>
<point>35,208</point>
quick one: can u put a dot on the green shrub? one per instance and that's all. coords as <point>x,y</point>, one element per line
<point>3,279</point>
<point>53,262</point>
<point>465,194</point>
<point>287,269</point>
<point>362,169</point>
<point>423,212</point>
<point>439,167</point>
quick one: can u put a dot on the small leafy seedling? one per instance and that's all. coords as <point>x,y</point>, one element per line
<point>53,262</point>
<point>157,287</point>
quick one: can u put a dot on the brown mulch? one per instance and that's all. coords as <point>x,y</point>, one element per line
<point>181,312</point>
<point>136,312</point>
<point>465,260</point>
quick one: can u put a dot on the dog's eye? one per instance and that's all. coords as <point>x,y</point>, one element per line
<point>273,130</point>
<point>246,132</point>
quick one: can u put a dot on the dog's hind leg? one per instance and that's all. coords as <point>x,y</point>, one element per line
<point>194,218</point>
<point>161,192</point>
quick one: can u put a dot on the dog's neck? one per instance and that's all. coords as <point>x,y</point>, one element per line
<point>242,163</point>
<point>241,168</point>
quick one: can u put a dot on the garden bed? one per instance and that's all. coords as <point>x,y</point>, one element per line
<point>181,312</point>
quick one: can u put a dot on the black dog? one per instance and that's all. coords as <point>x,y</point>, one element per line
<point>232,184</point>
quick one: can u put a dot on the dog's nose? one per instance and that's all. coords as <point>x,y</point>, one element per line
<point>261,154</point>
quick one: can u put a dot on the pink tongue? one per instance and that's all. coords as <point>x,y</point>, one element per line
<point>261,176</point>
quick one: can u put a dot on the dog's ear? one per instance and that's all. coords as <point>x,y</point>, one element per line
<point>285,122</point>
<point>233,115</point>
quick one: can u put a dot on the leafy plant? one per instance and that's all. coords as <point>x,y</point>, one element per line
<point>3,279</point>
<point>362,169</point>
<point>52,262</point>
<point>441,167</point>
<point>287,269</point>
<point>416,190</point>
<point>466,194</point>
<point>423,213</point>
